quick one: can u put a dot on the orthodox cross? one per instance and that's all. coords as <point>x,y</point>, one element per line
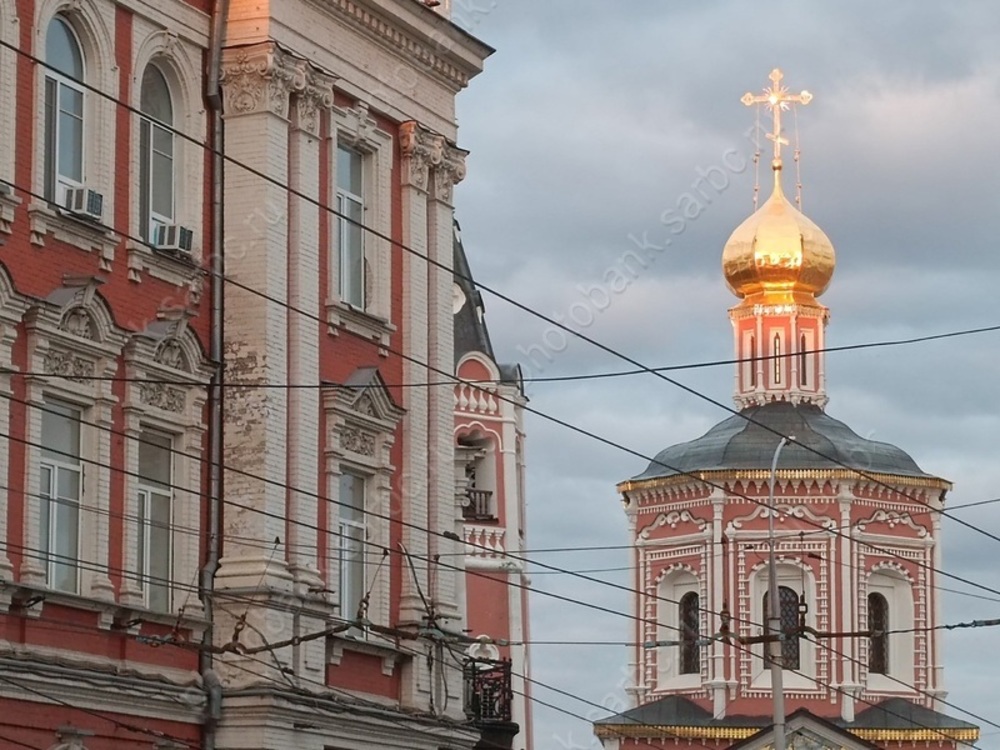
<point>777,98</point>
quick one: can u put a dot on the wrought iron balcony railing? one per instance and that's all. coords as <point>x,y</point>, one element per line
<point>488,691</point>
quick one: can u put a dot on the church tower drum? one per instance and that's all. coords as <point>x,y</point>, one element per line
<point>856,536</point>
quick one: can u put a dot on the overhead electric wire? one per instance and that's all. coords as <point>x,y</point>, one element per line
<point>102,715</point>
<point>503,381</point>
<point>454,537</point>
<point>500,295</point>
<point>532,312</point>
<point>607,349</point>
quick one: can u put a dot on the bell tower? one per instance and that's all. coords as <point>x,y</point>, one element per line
<point>778,262</point>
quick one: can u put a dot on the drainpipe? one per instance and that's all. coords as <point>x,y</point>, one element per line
<point>210,680</point>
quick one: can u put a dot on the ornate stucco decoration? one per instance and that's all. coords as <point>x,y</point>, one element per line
<point>673,520</point>
<point>449,172</point>
<point>422,149</point>
<point>68,365</point>
<point>259,78</point>
<point>163,397</point>
<point>357,123</point>
<point>313,94</point>
<point>364,417</point>
<point>892,519</point>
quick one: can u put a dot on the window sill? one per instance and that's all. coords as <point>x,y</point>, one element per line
<point>372,645</point>
<point>880,683</point>
<point>179,270</point>
<point>30,599</point>
<point>679,682</point>
<point>342,315</point>
<point>8,205</point>
<point>87,236</point>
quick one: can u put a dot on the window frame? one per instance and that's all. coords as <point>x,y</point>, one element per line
<point>898,590</point>
<point>146,490</point>
<point>51,555</point>
<point>361,421</point>
<point>345,248</point>
<point>788,609</point>
<point>879,620</point>
<point>690,635</point>
<point>70,337</point>
<point>55,185</point>
<point>167,352</point>
<point>674,584</point>
<point>149,125</point>
<point>354,128</point>
<point>800,579</point>
<point>349,604</point>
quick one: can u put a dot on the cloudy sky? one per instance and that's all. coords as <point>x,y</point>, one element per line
<point>593,119</point>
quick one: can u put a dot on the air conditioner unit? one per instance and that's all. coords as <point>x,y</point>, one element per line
<point>173,238</point>
<point>5,189</point>
<point>85,203</point>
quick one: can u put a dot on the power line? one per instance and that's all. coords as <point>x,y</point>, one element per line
<point>539,379</point>
<point>128,727</point>
<point>452,536</point>
<point>506,298</point>
<point>700,395</point>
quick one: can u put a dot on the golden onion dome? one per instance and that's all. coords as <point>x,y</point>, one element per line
<point>778,251</point>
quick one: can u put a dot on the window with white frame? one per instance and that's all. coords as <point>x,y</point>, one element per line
<point>350,229</point>
<point>154,514</point>
<point>359,296</point>
<point>878,642</point>
<point>64,110</point>
<point>689,616</point>
<point>678,617</point>
<point>796,594</point>
<point>890,606</point>
<point>788,613</point>
<point>156,153</point>
<point>60,488</point>
<point>352,533</point>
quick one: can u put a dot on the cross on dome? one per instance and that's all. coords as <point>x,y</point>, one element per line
<point>777,99</point>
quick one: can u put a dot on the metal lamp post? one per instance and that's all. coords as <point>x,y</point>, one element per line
<point>774,615</point>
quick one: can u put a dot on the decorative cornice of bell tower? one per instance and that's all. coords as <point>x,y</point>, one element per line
<point>778,262</point>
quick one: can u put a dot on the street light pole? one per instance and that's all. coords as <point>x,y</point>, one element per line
<point>774,615</point>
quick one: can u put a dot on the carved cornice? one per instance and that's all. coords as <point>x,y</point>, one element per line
<point>433,57</point>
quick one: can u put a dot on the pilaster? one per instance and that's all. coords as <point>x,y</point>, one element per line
<point>256,84</point>
<point>303,448</point>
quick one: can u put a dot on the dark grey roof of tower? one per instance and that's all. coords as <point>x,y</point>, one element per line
<point>736,443</point>
<point>471,334</point>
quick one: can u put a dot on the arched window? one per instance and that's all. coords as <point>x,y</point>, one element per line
<point>777,358</point>
<point>688,619</point>
<point>156,154</point>
<point>753,361</point>
<point>803,362</point>
<point>64,110</point>
<point>878,644</point>
<point>788,604</point>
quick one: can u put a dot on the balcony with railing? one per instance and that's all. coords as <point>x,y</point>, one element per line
<point>478,505</point>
